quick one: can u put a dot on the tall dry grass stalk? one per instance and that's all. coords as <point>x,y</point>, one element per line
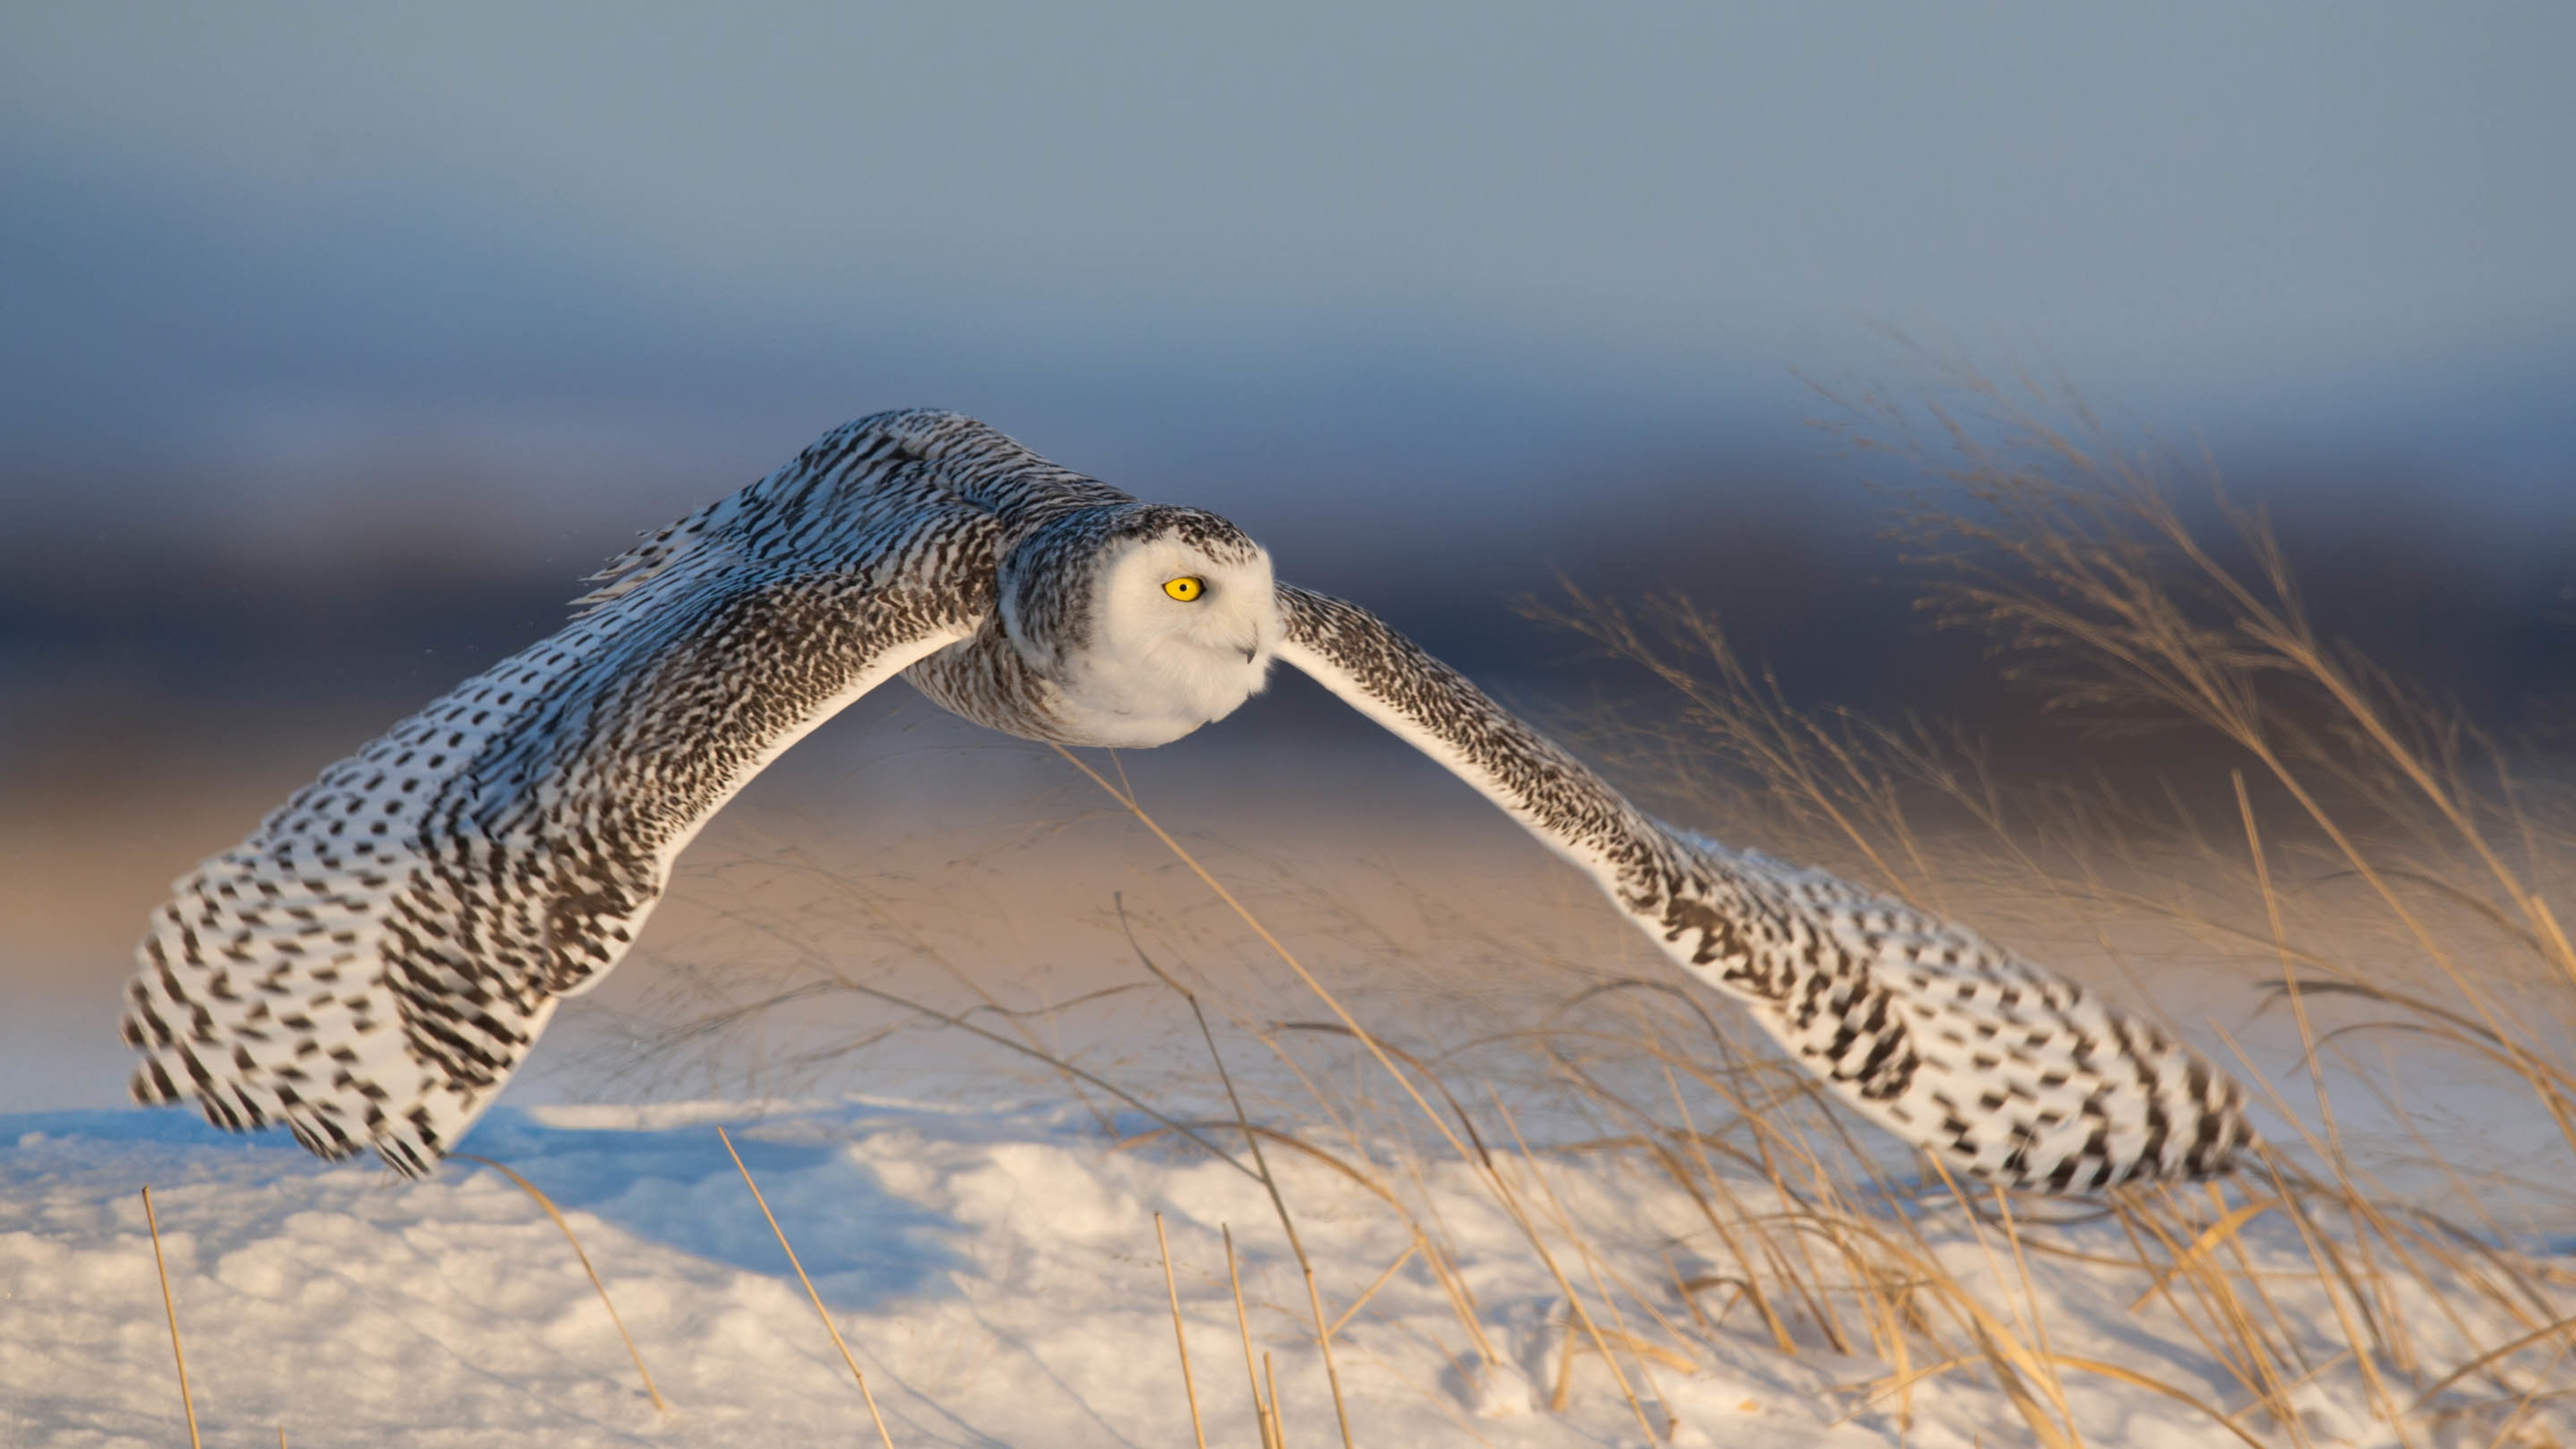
<point>2075,555</point>
<point>1264,1412</point>
<point>829,1327</point>
<point>1180,1335</point>
<point>2379,869</point>
<point>1261,1166</point>
<point>1376,1049</point>
<point>597,1286</point>
<point>170,1308</point>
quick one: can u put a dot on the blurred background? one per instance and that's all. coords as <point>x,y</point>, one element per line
<point>340,340</point>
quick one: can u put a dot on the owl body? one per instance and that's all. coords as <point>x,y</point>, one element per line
<point>370,965</point>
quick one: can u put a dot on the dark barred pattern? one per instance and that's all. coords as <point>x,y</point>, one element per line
<point>370,966</point>
<point>1954,1044</point>
<point>373,963</point>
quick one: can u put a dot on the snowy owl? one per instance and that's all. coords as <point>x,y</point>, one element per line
<point>370,966</point>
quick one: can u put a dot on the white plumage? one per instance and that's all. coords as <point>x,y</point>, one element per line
<point>370,966</point>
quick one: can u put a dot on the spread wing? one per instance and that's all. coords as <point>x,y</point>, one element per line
<point>1955,1045</point>
<point>370,965</point>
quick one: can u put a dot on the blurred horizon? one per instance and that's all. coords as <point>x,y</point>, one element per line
<point>343,342</point>
<point>347,312</point>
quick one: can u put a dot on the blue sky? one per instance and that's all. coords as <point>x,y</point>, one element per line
<point>281,240</point>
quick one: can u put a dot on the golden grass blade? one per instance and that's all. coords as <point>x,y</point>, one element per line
<point>1278,1425</point>
<point>1171,1287</point>
<point>1261,1162</point>
<point>2153,1386</point>
<point>1780,1338</point>
<point>1565,1224</point>
<point>2530,1401</point>
<point>556,1213</point>
<point>2009,1376</point>
<point>2494,1355</point>
<point>2289,968</point>
<point>1563,1391</point>
<point>2563,949</point>
<point>2030,1300</point>
<point>1366,1038</point>
<point>2240,1345</point>
<point>1645,1350</point>
<point>2011,1359</point>
<point>2225,1228</point>
<point>1462,1300</point>
<point>1573,1301</point>
<point>1903,1381</point>
<point>1243,1322</point>
<point>2289,1350</point>
<point>1307,1150</point>
<point>1381,1281</point>
<point>2321,1251</point>
<point>170,1306</point>
<point>819,1311</point>
<point>1324,1345</point>
<point>959,1022</point>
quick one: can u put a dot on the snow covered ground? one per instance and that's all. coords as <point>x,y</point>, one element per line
<point>987,1249</point>
<point>995,1275</point>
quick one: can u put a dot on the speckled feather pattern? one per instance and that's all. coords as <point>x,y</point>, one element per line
<point>2009,1073</point>
<point>372,963</point>
<point>369,966</point>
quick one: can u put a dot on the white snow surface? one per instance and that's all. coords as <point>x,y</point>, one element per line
<point>994,1273</point>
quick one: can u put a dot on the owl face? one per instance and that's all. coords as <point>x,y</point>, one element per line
<point>1178,630</point>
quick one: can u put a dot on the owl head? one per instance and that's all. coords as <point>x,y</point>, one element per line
<point>1148,620</point>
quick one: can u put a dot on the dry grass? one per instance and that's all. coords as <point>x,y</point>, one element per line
<point>170,1308</point>
<point>1180,1334</point>
<point>2378,870</point>
<point>798,1264</point>
<point>560,1221</point>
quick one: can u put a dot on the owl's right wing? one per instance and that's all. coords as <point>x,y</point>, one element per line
<point>371,964</point>
<point>886,465</point>
<point>2009,1073</point>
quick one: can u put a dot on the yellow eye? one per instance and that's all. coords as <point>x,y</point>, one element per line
<point>1186,588</point>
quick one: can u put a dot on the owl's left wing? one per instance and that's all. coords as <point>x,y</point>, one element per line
<point>2011,1074</point>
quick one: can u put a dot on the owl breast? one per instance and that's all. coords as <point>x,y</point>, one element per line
<point>1129,701</point>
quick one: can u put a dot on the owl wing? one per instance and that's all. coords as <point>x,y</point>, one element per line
<point>2010,1074</point>
<point>886,465</point>
<point>370,965</point>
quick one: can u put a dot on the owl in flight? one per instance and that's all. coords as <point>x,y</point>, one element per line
<point>370,965</point>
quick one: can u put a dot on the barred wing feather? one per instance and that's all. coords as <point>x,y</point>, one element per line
<point>373,962</point>
<point>2008,1073</point>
